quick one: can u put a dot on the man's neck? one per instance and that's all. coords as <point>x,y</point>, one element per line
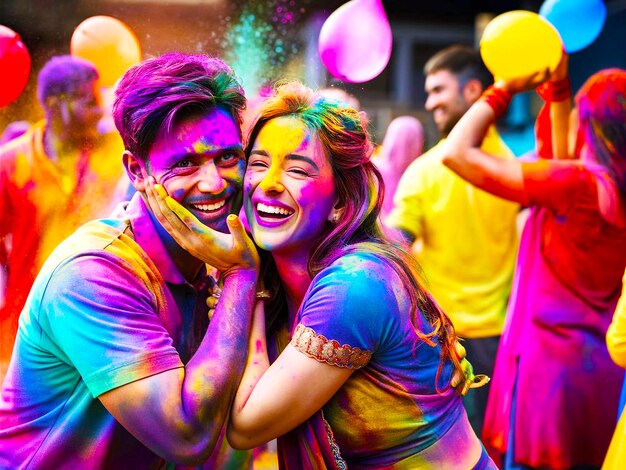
<point>186,264</point>
<point>62,144</point>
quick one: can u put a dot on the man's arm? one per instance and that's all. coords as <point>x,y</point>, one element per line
<point>108,325</point>
<point>179,413</point>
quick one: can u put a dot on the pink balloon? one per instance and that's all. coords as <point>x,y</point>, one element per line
<point>355,41</point>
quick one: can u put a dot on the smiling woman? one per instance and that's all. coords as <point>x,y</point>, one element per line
<point>289,187</point>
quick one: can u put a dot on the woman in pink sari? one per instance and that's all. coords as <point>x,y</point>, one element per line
<point>555,390</point>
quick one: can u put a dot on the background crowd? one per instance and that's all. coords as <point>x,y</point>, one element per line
<point>516,253</point>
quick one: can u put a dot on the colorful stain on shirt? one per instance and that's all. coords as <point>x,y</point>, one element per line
<point>388,413</point>
<point>122,320</point>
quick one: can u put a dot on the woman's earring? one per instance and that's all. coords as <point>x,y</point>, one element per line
<point>335,217</point>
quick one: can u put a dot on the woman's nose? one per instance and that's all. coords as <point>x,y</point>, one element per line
<point>272,181</point>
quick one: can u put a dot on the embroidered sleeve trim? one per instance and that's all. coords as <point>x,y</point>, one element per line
<point>320,348</point>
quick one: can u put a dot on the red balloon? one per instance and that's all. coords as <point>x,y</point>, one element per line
<point>14,65</point>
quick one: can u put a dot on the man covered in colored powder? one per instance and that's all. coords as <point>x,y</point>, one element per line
<point>468,237</point>
<point>53,178</point>
<point>116,363</point>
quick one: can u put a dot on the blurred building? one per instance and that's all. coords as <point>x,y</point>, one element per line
<point>269,39</point>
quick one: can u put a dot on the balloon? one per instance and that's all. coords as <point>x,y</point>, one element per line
<point>107,43</point>
<point>14,65</point>
<point>355,41</point>
<point>519,43</point>
<point>579,22</point>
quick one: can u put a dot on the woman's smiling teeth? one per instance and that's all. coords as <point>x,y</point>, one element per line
<point>272,211</point>
<point>209,207</point>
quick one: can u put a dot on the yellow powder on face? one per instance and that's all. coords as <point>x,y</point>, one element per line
<point>201,147</point>
<point>282,136</point>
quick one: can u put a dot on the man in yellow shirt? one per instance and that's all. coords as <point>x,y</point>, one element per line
<point>468,237</point>
<point>58,175</point>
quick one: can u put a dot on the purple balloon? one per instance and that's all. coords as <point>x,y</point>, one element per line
<point>355,41</point>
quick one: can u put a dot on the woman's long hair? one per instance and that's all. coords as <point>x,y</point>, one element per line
<point>359,190</point>
<point>601,104</point>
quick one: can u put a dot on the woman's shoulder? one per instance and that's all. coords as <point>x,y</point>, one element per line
<point>362,264</point>
<point>361,277</point>
<point>358,299</point>
<point>595,190</point>
<point>551,183</point>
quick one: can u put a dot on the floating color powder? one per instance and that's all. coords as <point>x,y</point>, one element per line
<point>263,40</point>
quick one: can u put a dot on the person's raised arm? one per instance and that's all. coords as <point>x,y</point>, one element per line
<point>560,109</point>
<point>179,413</point>
<point>462,153</point>
<point>553,121</point>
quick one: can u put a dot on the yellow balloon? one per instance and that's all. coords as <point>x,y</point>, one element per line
<point>107,43</point>
<point>519,43</point>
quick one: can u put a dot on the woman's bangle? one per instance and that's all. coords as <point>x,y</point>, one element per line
<point>498,98</point>
<point>553,91</point>
<point>264,294</point>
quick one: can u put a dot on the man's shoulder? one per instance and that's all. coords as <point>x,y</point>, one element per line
<point>99,253</point>
<point>105,238</point>
<point>432,156</point>
<point>21,145</point>
<point>99,232</point>
<point>18,157</point>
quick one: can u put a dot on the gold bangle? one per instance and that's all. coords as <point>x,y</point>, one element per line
<point>263,294</point>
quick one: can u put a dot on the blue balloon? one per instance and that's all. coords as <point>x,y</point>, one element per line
<point>579,22</point>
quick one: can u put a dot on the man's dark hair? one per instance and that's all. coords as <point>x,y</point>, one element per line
<point>464,62</point>
<point>156,92</point>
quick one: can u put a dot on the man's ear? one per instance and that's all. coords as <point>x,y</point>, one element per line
<point>472,91</point>
<point>135,169</point>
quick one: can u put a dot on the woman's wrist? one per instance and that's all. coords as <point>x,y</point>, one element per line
<point>554,91</point>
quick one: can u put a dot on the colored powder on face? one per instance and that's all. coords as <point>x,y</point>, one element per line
<point>202,147</point>
<point>281,136</point>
